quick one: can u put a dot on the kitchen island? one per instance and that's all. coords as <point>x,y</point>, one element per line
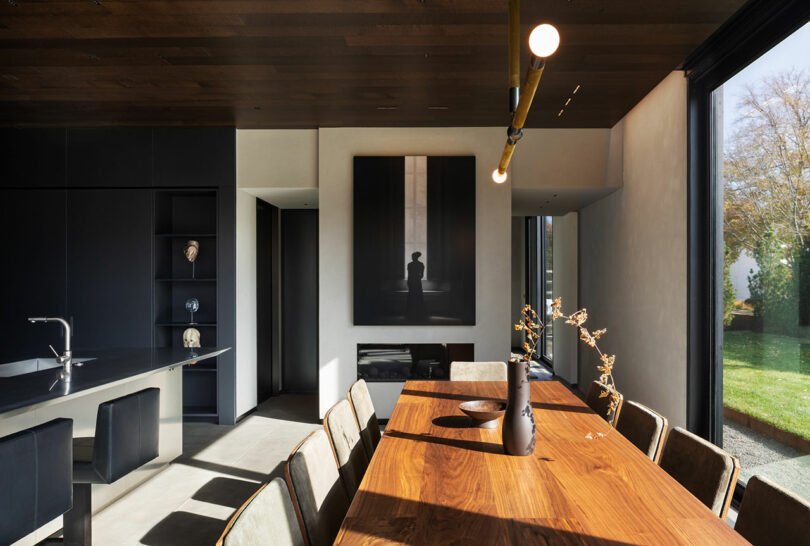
<point>35,391</point>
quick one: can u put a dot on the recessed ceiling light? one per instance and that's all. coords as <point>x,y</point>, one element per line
<point>559,113</point>
<point>567,102</point>
<point>386,108</point>
<point>575,90</point>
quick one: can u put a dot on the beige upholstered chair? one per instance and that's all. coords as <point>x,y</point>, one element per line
<point>267,517</point>
<point>478,371</point>
<point>708,472</point>
<point>772,515</point>
<point>318,494</point>
<point>350,453</point>
<point>643,427</point>
<point>600,404</point>
<point>366,417</point>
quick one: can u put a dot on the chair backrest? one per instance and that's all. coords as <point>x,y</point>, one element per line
<point>600,404</point>
<point>268,517</point>
<point>36,474</point>
<point>366,417</point>
<point>705,470</point>
<point>478,371</point>
<point>772,515</point>
<point>318,494</point>
<point>127,434</point>
<point>349,451</point>
<point>643,427</point>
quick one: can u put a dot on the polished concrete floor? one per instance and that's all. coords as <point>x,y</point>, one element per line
<point>192,499</point>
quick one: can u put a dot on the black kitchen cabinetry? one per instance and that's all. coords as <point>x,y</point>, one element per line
<point>108,257</point>
<point>93,225</point>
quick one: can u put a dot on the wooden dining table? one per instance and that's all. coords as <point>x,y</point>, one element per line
<point>434,479</point>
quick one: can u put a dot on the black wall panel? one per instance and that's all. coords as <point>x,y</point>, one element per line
<point>32,158</point>
<point>299,304</point>
<point>32,271</point>
<point>268,292</point>
<point>109,157</point>
<point>109,265</point>
<point>194,156</point>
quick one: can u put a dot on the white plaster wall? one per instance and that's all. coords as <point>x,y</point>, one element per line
<point>632,255</point>
<point>338,336</point>
<point>560,158</point>
<point>246,373</point>
<point>565,286</point>
<point>277,158</point>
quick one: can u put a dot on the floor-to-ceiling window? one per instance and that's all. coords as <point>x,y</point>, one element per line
<point>762,169</point>
<point>547,266</point>
<point>748,269</point>
<point>539,278</point>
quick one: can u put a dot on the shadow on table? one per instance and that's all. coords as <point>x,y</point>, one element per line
<point>472,445</point>
<point>426,523</point>
<point>466,397</point>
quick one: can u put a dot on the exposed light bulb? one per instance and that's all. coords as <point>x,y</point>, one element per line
<point>498,177</point>
<point>544,40</point>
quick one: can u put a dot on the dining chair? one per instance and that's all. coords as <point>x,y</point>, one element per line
<point>705,470</point>
<point>268,516</point>
<point>772,515</point>
<point>643,427</point>
<point>350,454</point>
<point>364,414</point>
<point>318,494</point>
<point>478,371</point>
<point>600,404</point>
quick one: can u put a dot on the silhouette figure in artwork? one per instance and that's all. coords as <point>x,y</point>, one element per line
<point>416,299</point>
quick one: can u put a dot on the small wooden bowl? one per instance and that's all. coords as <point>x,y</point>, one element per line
<point>484,413</point>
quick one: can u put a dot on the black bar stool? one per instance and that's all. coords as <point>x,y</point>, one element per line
<point>35,476</point>
<point>127,433</point>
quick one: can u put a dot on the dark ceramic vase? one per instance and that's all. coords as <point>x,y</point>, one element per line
<point>519,431</point>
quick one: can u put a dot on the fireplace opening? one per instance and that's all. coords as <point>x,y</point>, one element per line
<point>394,362</point>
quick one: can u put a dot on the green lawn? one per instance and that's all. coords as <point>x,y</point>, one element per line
<point>767,376</point>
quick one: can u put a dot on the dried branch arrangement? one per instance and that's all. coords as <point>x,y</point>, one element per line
<point>533,328</point>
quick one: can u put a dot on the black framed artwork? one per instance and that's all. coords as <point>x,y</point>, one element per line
<point>414,240</point>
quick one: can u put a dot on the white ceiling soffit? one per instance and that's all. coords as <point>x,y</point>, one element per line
<point>287,198</point>
<point>555,202</point>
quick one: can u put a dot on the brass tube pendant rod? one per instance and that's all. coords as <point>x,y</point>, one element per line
<point>514,54</point>
<point>515,130</point>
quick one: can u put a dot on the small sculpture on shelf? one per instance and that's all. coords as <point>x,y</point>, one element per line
<point>191,250</point>
<point>191,338</point>
<point>192,306</point>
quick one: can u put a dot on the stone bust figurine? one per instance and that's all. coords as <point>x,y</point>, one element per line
<point>191,250</point>
<point>191,337</point>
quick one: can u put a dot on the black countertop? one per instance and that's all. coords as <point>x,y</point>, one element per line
<point>108,366</point>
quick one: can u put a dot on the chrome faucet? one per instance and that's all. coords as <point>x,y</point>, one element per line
<point>66,358</point>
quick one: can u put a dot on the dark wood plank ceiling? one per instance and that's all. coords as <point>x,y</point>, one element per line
<point>324,63</point>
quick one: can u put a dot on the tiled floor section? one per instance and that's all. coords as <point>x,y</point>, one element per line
<point>191,501</point>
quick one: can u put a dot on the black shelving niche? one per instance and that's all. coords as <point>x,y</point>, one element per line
<point>180,216</point>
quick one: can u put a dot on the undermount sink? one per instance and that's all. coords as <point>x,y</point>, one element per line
<point>32,365</point>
